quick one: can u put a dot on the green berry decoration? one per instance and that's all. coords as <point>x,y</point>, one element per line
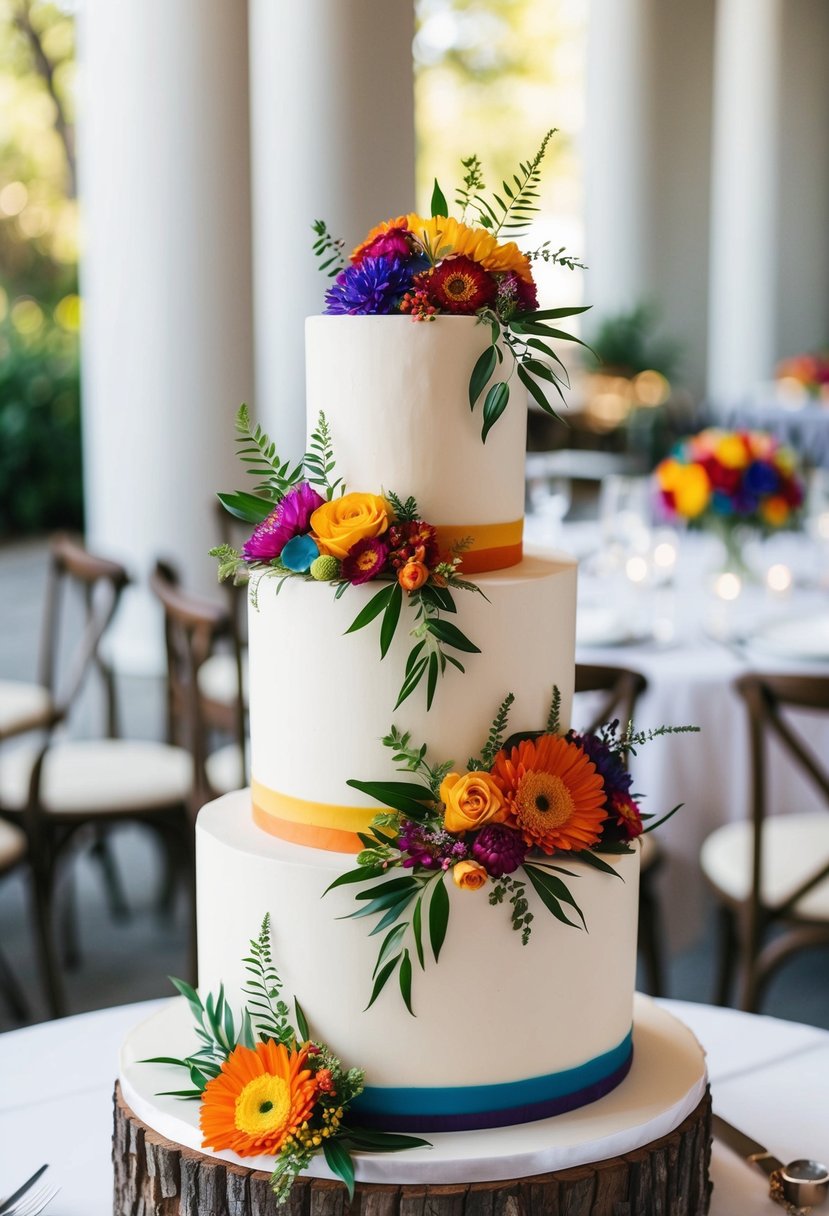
<point>325,568</point>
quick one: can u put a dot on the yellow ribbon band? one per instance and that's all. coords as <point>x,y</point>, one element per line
<point>494,546</point>
<point>319,825</point>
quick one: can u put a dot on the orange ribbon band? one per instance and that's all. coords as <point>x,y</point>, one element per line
<point>317,825</point>
<point>494,546</point>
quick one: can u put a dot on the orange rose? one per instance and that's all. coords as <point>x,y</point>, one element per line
<point>412,576</point>
<point>471,800</point>
<point>469,876</point>
<point>340,523</point>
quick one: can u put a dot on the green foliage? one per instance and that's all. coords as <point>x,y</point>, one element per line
<point>40,429</point>
<point>404,512</point>
<point>256,450</point>
<point>512,214</point>
<point>319,460</point>
<point>268,1011</point>
<point>629,342</point>
<point>473,183</point>
<point>231,563</point>
<point>328,250</point>
<point>413,760</point>
<point>554,716</point>
<point>520,915</point>
<point>495,739</point>
<point>555,257</point>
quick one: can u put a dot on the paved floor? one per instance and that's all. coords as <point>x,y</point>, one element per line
<point>129,960</point>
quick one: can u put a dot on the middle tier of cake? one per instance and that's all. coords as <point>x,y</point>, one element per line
<point>321,699</point>
<point>504,1033</point>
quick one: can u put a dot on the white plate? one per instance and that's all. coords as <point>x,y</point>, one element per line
<point>795,638</point>
<point>596,626</point>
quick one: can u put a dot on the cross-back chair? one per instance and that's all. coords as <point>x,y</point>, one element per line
<point>618,690</point>
<point>193,627</point>
<point>770,873</point>
<point>60,788</point>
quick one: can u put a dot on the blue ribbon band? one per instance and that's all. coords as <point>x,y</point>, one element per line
<point>470,1107</point>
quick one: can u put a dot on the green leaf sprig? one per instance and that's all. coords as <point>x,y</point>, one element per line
<point>328,250</point>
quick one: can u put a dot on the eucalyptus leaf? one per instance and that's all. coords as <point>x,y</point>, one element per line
<point>438,916</point>
<point>495,403</point>
<point>373,608</point>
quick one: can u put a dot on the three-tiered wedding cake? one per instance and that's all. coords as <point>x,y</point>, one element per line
<point>496,1034</point>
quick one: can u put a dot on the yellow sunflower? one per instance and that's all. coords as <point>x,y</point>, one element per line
<point>555,796</point>
<point>259,1099</point>
<point>442,235</point>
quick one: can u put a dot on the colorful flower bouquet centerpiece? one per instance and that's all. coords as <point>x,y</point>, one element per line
<point>501,827</point>
<point>725,479</point>
<point>307,526</point>
<point>466,266</point>
<point>805,373</point>
<point>267,1088</point>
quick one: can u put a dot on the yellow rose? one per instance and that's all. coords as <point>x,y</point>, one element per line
<point>340,523</point>
<point>469,876</point>
<point>471,800</point>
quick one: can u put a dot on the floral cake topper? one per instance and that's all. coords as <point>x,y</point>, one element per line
<point>425,266</point>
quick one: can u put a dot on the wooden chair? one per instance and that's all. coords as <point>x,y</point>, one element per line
<point>770,874</point>
<point>14,848</point>
<point>193,627</point>
<point>620,689</point>
<point>60,787</point>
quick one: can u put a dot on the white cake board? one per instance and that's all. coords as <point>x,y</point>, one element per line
<point>665,1084</point>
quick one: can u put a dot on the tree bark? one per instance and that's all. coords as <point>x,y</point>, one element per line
<point>155,1177</point>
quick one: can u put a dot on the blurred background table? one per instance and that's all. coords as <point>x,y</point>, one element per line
<point>673,624</point>
<point>767,1076</point>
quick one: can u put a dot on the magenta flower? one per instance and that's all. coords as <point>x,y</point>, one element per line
<point>365,560</point>
<point>390,244</point>
<point>291,517</point>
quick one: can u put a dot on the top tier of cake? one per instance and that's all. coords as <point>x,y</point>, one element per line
<point>396,397</point>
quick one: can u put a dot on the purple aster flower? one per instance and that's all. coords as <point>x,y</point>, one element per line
<point>761,477</point>
<point>373,287</point>
<point>291,517</point>
<point>499,849</point>
<point>428,848</point>
<point>365,560</point>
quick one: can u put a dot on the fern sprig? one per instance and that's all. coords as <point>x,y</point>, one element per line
<point>329,250</point>
<point>495,739</point>
<point>405,512</point>
<point>255,448</point>
<point>554,716</point>
<point>268,1011</point>
<point>513,213</point>
<point>319,459</point>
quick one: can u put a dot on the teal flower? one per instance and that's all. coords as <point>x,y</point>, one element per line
<point>298,554</point>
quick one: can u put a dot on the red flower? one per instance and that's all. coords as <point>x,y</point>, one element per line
<point>460,285</point>
<point>412,541</point>
<point>364,560</point>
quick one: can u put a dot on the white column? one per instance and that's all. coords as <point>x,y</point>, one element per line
<point>745,162</point>
<point>618,153</point>
<point>332,137</point>
<point>164,184</point>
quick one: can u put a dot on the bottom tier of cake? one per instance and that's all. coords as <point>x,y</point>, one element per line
<point>645,1144</point>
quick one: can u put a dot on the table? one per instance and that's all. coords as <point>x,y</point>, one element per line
<point>768,1077</point>
<point>689,645</point>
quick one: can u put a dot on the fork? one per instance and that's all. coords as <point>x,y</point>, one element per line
<point>9,1205</point>
<point>34,1202</point>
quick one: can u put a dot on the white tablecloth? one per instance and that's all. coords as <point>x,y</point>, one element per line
<point>56,1080</point>
<point>690,681</point>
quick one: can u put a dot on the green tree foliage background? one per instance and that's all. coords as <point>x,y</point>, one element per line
<point>40,445</point>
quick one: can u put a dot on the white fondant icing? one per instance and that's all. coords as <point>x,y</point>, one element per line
<point>321,699</point>
<point>665,1084</point>
<point>491,1010</point>
<point>396,396</point>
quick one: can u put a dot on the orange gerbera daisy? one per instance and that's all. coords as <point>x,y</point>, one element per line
<point>260,1098</point>
<point>555,796</point>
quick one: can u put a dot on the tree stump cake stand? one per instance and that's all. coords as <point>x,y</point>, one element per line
<point>669,1177</point>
